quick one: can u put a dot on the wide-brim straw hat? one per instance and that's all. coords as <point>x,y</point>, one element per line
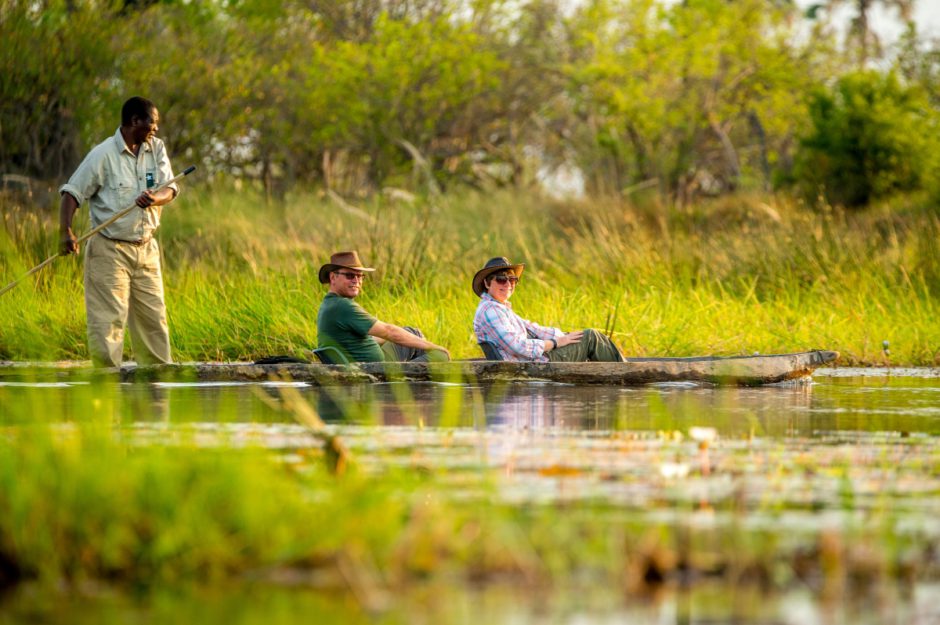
<point>494,265</point>
<point>342,260</point>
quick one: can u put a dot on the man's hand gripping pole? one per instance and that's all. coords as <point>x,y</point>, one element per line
<point>96,230</point>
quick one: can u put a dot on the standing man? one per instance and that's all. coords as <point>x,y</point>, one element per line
<point>123,279</point>
<point>345,325</point>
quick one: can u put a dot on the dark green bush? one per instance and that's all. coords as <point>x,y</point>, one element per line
<point>870,136</point>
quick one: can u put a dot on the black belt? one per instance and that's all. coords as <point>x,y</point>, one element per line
<point>137,243</point>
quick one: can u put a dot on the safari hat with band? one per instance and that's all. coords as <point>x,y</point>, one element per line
<point>342,260</point>
<point>494,265</point>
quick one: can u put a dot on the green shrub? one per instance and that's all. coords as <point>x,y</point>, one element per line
<point>870,136</point>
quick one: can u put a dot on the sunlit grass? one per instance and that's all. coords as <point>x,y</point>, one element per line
<point>730,276</point>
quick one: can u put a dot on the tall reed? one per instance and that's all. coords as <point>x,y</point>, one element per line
<point>736,275</point>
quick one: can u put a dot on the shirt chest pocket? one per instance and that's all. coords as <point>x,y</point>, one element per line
<point>123,193</point>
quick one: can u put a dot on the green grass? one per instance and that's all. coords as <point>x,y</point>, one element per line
<point>729,276</point>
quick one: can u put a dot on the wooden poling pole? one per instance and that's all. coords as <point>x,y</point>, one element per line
<point>96,230</point>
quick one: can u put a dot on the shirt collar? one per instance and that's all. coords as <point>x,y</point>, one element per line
<point>122,145</point>
<point>487,297</point>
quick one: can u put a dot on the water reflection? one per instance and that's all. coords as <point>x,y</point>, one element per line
<point>151,405</point>
<point>557,406</point>
<point>796,410</point>
<point>808,410</point>
<point>454,604</point>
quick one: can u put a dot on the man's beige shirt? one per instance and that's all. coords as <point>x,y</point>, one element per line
<point>110,179</point>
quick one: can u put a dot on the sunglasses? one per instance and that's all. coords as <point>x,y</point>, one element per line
<point>504,279</point>
<point>351,276</point>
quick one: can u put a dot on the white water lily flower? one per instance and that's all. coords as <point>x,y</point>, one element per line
<point>703,435</point>
<point>673,470</point>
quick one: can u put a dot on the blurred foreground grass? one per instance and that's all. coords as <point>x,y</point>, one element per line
<point>86,500</point>
<point>735,275</point>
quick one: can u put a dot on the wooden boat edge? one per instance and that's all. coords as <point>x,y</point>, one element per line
<point>732,370</point>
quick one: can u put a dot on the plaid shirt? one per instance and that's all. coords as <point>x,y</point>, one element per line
<point>496,323</point>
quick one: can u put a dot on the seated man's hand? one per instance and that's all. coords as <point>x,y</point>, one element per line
<point>570,338</point>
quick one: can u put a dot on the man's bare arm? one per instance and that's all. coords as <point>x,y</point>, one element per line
<point>400,336</point>
<point>67,238</point>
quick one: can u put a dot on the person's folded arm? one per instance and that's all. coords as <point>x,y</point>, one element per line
<point>510,338</point>
<point>400,336</point>
<point>542,332</point>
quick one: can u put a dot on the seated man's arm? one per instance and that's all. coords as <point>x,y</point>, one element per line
<point>400,336</point>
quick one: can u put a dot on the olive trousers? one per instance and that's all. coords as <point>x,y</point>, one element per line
<point>593,347</point>
<point>124,283</point>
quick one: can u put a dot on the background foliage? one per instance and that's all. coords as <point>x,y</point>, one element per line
<point>871,137</point>
<point>702,97</point>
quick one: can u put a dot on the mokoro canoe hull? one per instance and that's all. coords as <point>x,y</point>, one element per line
<point>734,370</point>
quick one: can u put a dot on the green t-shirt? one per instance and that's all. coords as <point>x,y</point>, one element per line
<point>345,325</point>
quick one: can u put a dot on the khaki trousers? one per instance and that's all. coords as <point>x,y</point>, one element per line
<point>123,282</point>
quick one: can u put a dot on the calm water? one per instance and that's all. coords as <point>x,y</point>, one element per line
<point>838,402</point>
<point>497,605</point>
<point>650,450</point>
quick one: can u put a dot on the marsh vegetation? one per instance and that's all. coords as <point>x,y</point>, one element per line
<point>742,274</point>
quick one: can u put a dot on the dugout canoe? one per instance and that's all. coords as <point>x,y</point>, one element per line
<point>734,371</point>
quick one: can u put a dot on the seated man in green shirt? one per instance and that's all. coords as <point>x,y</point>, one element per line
<point>345,325</point>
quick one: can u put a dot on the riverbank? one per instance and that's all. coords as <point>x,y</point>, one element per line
<point>724,277</point>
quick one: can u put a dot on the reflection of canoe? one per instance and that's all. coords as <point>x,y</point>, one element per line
<point>735,370</point>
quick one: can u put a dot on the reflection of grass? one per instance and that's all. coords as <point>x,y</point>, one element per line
<point>724,277</point>
<point>85,501</point>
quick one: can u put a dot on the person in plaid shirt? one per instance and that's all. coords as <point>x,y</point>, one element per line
<point>518,339</point>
